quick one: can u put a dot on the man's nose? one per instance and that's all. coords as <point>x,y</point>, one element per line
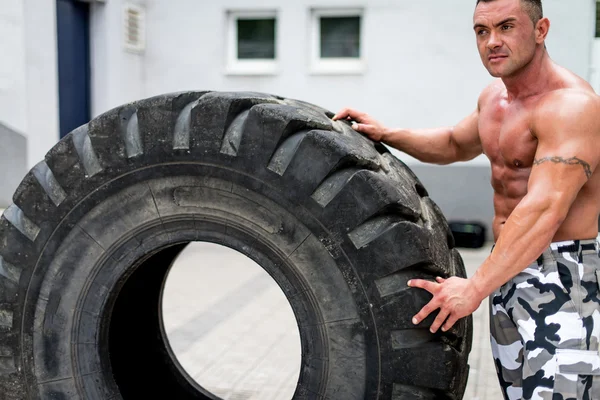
<point>494,41</point>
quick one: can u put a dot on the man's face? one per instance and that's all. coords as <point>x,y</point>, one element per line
<point>505,36</point>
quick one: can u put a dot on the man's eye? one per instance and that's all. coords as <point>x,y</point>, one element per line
<point>481,32</point>
<point>506,27</point>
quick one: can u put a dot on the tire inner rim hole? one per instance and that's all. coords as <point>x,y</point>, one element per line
<point>202,320</point>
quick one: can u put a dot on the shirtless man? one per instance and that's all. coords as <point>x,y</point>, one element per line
<point>539,125</point>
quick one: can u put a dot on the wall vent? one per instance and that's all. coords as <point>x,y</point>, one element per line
<point>134,21</point>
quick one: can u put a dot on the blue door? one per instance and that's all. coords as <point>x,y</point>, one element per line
<point>73,46</point>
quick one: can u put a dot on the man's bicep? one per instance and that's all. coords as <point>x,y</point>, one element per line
<point>465,137</point>
<point>568,136</point>
<point>557,176</point>
<point>566,157</point>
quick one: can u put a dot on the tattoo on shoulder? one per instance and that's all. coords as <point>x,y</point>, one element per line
<point>568,161</point>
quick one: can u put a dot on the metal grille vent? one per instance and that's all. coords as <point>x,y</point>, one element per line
<point>134,28</point>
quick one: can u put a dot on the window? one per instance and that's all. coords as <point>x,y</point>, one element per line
<point>340,37</point>
<point>595,64</point>
<point>252,43</point>
<point>597,19</point>
<point>337,45</point>
<point>256,39</point>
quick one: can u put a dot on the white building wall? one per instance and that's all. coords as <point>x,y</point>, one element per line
<point>422,64</point>
<point>117,76</point>
<point>12,65</point>
<point>422,67</point>
<point>42,78</point>
<point>28,73</point>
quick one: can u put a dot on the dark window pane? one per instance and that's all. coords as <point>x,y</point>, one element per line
<point>340,37</point>
<point>256,38</point>
<point>597,19</point>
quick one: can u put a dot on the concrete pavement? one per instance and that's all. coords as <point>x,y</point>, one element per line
<point>483,383</point>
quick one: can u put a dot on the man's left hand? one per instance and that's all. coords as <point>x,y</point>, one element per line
<point>455,297</point>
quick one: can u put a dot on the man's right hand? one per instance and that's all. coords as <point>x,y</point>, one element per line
<point>364,123</point>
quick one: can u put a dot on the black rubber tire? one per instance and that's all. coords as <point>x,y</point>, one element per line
<point>337,221</point>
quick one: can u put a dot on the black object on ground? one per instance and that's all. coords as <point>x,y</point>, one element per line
<point>468,234</point>
<point>338,222</point>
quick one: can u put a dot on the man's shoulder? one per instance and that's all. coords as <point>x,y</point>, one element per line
<point>568,87</point>
<point>570,93</point>
<point>571,107</point>
<point>565,101</point>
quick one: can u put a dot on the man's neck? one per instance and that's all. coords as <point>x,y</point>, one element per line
<point>532,79</point>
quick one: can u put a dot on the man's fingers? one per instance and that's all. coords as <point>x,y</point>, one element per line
<point>350,114</point>
<point>439,320</point>
<point>362,128</point>
<point>425,311</point>
<point>342,114</point>
<point>451,321</point>
<point>431,287</point>
<point>346,113</point>
<point>439,279</point>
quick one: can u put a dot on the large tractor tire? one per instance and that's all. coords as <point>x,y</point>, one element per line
<point>338,222</point>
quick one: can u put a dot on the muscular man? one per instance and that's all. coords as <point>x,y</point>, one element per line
<point>539,125</point>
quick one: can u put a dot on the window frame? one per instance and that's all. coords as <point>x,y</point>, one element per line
<point>341,65</point>
<point>236,66</point>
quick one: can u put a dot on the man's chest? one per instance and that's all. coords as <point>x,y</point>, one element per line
<point>506,137</point>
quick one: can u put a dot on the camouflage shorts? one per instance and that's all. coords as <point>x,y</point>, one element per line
<point>545,326</point>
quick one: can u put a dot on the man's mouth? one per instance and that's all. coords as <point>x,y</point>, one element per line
<point>496,57</point>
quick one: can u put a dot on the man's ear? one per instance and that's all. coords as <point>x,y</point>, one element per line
<point>541,30</point>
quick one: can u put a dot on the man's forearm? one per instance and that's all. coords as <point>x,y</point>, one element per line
<point>525,235</point>
<point>427,145</point>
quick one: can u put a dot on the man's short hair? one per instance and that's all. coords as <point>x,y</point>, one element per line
<point>532,7</point>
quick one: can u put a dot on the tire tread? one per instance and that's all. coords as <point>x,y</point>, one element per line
<point>19,220</point>
<point>85,151</point>
<point>48,182</point>
<point>368,200</point>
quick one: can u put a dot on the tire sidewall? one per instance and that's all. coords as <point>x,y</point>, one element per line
<point>109,233</point>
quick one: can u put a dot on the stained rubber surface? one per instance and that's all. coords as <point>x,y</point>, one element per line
<point>338,222</point>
